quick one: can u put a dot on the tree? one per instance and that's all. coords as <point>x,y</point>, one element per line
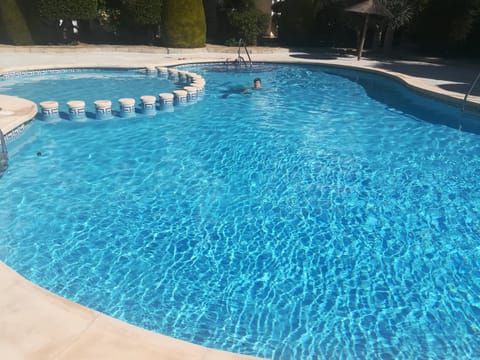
<point>140,19</point>
<point>248,23</point>
<point>295,24</point>
<point>143,12</point>
<point>106,26</point>
<point>445,25</point>
<point>16,27</point>
<point>66,11</point>
<point>183,23</point>
<point>401,13</point>
<point>242,20</point>
<point>465,14</point>
<point>265,6</point>
<point>210,9</point>
<point>334,25</point>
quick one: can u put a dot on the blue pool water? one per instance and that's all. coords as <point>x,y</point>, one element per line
<point>330,215</point>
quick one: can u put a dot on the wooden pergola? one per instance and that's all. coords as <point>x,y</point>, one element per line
<point>367,8</point>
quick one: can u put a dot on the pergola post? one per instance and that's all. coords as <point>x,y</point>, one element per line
<point>367,8</point>
<point>362,39</point>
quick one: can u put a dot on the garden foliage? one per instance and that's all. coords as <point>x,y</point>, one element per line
<point>13,25</point>
<point>67,9</point>
<point>183,23</point>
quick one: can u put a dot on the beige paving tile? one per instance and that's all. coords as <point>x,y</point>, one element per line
<point>110,338</point>
<point>35,324</point>
<point>15,111</point>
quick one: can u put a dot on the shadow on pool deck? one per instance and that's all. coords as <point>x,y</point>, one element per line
<point>456,79</point>
<point>448,77</point>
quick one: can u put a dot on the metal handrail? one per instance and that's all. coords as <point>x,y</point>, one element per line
<point>241,43</point>
<point>467,94</point>
<point>3,143</point>
<point>3,154</point>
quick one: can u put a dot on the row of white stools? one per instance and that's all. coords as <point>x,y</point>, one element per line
<point>194,89</point>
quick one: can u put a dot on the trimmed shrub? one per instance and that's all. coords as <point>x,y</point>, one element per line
<point>143,12</point>
<point>183,23</point>
<point>249,24</point>
<point>15,26</point>
<point>67,9</point>
<point>139,21</point>
<point>241,19</point>
<point>295,24</point>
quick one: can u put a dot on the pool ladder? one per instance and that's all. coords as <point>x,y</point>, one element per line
<point>3,154</point>
<point>467,94</point>
<point>240,59</point>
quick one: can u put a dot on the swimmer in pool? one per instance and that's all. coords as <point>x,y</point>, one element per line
<point>257,84</point>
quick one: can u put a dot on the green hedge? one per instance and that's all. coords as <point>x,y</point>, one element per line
<point>67,9</point>
<point>249,24</point>
<point>143,12</point>
<point>295,25</point>
<point>14,25</point>
<point>184,23</point>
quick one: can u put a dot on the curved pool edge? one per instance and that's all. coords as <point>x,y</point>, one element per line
<point>37,324</point>
<point>423,85</point>
<point>435,92</point>
<point>62,329</point>
<point>15,112</point>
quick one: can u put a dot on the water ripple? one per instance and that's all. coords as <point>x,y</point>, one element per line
<point>314,219</point>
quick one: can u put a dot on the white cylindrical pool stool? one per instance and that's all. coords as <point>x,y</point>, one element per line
<point>76,109</point>
<point>148,104</point>
<point>200,85</point>
<point>103,109</point>
<point>182,77</point>
<point>166,101</point>
<point>196,77</point>
<point>127,107</point>
<point>173,74</point>
<point>192,93</point>
<point>191,76</point>
<point>162,72</point>
<point>180,97</point>
<point>198,80</point>
<point>151,70</point>
<point>49,110</point>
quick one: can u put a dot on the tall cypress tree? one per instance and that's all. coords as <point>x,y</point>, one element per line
<point>14,25</point>
<point>183,23</point>
<point>140,20</point>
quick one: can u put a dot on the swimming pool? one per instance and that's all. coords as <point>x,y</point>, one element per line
<point>316,218</point>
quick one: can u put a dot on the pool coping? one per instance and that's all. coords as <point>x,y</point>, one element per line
<point>20,113</point>
<point>38,324</point>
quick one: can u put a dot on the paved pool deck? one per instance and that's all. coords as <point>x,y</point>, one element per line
<point>36,324</point>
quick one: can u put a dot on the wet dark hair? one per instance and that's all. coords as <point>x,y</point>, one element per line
<point>257,79</point>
